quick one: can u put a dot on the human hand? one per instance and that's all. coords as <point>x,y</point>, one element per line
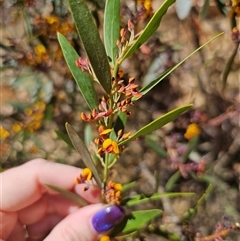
<point>30,211</point>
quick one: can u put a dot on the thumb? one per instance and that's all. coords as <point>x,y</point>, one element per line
<point>87,224</point>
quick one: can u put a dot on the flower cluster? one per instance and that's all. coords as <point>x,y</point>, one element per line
<point>129,91</point>
<point>187,168</point>
<point>47,50</point>
<point>235,35</point>
<point>111,193</point>
<point>96,115</point>
<point>34,117</point>
<point>106,144</point>
<point>235,8</point>
<point>38,57</point>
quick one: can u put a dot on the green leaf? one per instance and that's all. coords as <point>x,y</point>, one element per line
<point>92,43</point>
<point>82,149</point>
<point>70,195</point>
<point>140,199</point>
<point>88,135</point>
<point>191,146</point>
<point>135,221</point>
<point>156,147</point>
<point>222,6</point>
<point>148,31</point>
<point>119,124</point>
<point>148,87</point>
<point>112,28</point>
<point>204,10</point>
<point>158,123</point>
<point>228,66</point>
<point>139,219</point>
<point>128,186</point>
<point>64,137</point>
<point>82,79</point>
<point>28,24</point>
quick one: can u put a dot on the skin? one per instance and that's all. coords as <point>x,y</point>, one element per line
<point>31,211</point>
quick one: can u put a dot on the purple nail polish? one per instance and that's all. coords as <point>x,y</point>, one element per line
<point>107,218</point>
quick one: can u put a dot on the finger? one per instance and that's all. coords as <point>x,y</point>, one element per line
<point>18,233</point>
<point>87,224</point>
<point>40,229</point>
<point>8,221</point>
<point>27,182</point>
<point>47,204</point>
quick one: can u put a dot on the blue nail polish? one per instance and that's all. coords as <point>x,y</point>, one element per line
<point>107,218</point>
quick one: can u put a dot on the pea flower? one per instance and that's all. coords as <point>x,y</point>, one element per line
<point>110,146</point>
<point>192,131</point>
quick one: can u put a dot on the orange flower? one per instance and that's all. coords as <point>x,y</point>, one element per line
<point>105,238</point>
<point>110,146</point>
<point>87,174</point>
<point>192,131</point>
<point>118,187</point>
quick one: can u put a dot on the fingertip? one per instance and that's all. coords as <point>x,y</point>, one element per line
<point>91,195</point>
<point>88,223</point>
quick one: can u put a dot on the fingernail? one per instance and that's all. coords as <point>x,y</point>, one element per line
<point>107,218</point>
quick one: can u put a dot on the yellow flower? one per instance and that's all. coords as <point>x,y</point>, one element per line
<point>28,112</point>
<point>148,5</point>
<point>104,132</point>
<point>52,19</point>
<point>110,146</point>
<point>3,133</point>
<point>40,105</point>
<point>16,128</point>
<point>105,238</point>
<point>192,131</point>
<point>87,174</point>
<point>40,50</point>
<point>118,187</point>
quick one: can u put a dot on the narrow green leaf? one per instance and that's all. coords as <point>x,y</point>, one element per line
<point>204,10</point>
<point>222,6</point>
<point>191,146</point>
<point>158,123</point>
<point>192,211</point>
<point>112,28</point>
<point>140,199</point>
<point>82,149</point>
<point>228,66</point>
<point>64,137</point>
<point>92,43</point>
<point>88,135</point>
<point>28,24</point>
<point>82,79</point>
<point>152,84</point>
<point>70,195</point>
<point>148,31</point>
<point>172,180</point>
<point>156,147</point>
<point>140,219</point>
<point>128,186</point>
<point>119,124</point>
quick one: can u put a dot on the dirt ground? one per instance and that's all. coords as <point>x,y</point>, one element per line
<point>197,81</point>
